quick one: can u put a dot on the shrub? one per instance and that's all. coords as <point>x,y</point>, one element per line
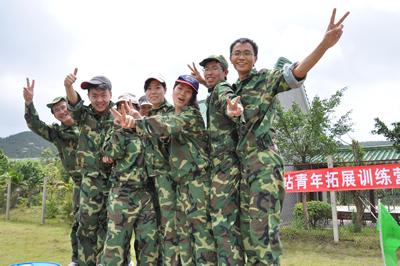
<point>317,211</point>
<point>51,209</point>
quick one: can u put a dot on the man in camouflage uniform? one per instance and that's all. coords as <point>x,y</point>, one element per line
<point>131,205</point>
<point>65,138</point>
<point>225,174</point>
<point>190,168</point>
<point>159,172</point>
<point>94,123</point>
<point>262,187</point>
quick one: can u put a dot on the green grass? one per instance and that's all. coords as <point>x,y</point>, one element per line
<point>23,239</point>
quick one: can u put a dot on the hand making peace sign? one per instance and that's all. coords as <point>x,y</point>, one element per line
<point>335,30</point>
<point>126,121</point>
<point>195,73</point>
<point>234,109</point>
<point>28,92</point>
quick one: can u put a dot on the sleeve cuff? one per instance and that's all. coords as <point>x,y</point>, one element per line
<point>290,78</point>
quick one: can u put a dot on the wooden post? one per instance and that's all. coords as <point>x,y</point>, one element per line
<point>333,204</point>
<point>8,200</point>
<point>44,198</point>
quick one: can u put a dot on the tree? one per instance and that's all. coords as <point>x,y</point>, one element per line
<point>32,176</point>
<point>389,134</point>
<point>302,136</point>
<point>3,162</point>
<point>359,154</point>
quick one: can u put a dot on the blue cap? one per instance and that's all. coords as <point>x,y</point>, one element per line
<point>190,80</point>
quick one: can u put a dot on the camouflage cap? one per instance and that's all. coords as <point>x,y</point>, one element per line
<point>220,58</point>
<point>56,100</point>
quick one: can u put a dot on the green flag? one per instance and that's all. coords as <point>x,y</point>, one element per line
<point>390,236</point>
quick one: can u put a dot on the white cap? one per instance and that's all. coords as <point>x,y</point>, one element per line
<point>157,76</point>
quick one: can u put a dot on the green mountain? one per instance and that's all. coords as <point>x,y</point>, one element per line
<point>25,145</point>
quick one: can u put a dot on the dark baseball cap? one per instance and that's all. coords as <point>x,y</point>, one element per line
<point>97,80</point>
<point>220,58</point>
<point>190,80</point>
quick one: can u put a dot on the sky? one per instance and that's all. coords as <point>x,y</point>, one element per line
<point>127,40</point>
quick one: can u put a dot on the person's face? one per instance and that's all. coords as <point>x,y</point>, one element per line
<point>213,73</point>
<point>100,99</point>
<point>155,93</point>
<point>243,64</point>
<point>182,94</point>
<point>119,108</point>
<point>145,109</point>
<point>61,112</point>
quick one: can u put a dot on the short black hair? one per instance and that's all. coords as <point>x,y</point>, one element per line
<point>244,40</point>
<point>147,84</point>
<point>102,87</point>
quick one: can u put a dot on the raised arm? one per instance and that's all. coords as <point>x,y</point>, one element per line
<point>28,92</point>
<point>32,117</point>
<point>69,89</point>
<point>332,36</point>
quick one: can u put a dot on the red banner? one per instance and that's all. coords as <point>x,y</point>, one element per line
<point>344,178</point>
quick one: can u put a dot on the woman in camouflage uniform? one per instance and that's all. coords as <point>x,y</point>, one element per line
<point>186,134</point>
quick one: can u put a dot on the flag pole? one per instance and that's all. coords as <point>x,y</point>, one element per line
<point>380,231</point>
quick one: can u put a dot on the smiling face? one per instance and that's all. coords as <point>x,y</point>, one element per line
<point>100,99</point>
<point>181,95</point>
<point>243,64</point>
<point>61,113</point>
<point>145,109</point>
<point>155,93</point>
<point>213,73</point>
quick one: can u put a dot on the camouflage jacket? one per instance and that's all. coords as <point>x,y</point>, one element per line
<point>221,128</point>
<point>188,141</point>
<point>128,152</point>
<point>93,129</point>
<point>156,151</point>
<point>65,138</point>
<point>258,90</point>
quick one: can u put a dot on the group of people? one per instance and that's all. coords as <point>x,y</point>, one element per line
<point>190,193</point>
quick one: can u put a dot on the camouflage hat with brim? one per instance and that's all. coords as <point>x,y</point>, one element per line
<point>56,100</point>
<point>220,58</point>
<point>126,97</point>
<point>132,97</point>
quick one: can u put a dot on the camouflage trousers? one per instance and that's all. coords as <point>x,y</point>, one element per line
<point>195,236</point>
<point>76,189</point>
<point>225,180</point>
<point>92,228</point>
<point>262,193</point>
<point>165,188</point>
<point>130,209</point>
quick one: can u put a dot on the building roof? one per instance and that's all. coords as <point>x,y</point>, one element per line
<point>374,151</point>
